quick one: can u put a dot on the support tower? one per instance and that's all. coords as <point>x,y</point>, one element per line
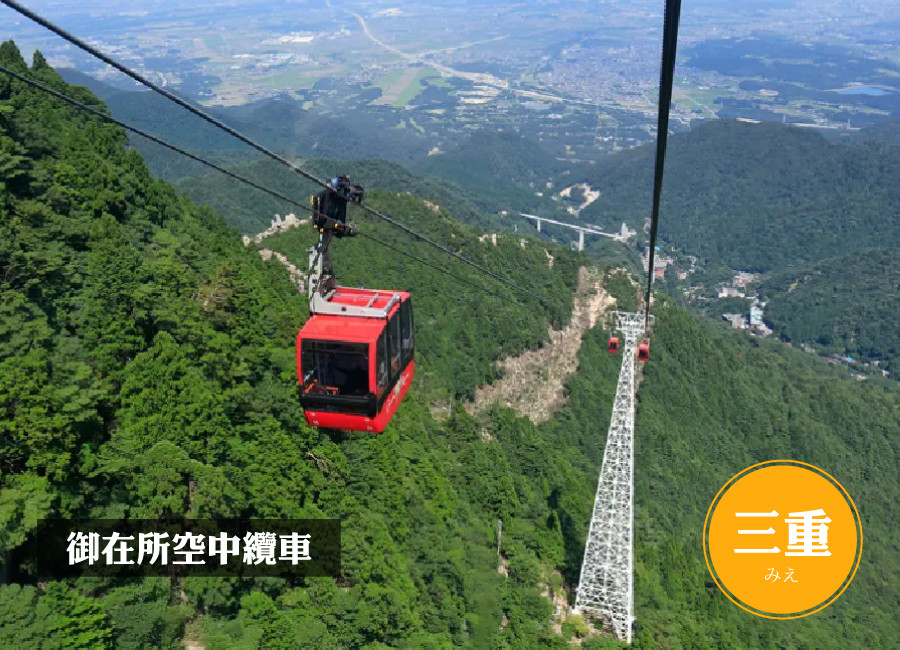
<point>605,589</point>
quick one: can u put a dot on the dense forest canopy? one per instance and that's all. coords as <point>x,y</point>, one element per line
<point>886,130</point>
<point>250,210</point>
<point>847,305</point>
<point>758,196</point>
<point>147,369</point>
<point>502,168</point>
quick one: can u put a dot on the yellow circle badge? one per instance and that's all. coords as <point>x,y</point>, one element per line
<point>782,539</point>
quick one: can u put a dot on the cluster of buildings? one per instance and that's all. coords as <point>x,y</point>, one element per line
<point>743,278</point>
<point>846,360</point>
<point>661,262</point>
<point>752,322</point>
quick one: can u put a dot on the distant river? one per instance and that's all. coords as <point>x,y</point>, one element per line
<point>864,90</point>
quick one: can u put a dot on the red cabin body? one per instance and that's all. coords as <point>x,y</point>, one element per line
<point>613,345</point>
<point>354,371</point>
<point>644,352</point>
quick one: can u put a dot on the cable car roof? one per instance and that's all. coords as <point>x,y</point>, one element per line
<point>352,329</point>
<point>375,298</point>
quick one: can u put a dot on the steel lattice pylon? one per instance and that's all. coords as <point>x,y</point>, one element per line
<point>606,585</point>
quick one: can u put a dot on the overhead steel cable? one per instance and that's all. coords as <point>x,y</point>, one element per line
<point>243,138</point>
<point>152,138</point>
<point>458,278</point>
<point>444,249</point>
<point>666,80</point>
<point>90,49</point>
<point>107,118</point>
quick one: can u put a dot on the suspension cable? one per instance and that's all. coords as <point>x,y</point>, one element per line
<point>440,247</point>
<point>238,177</point>
<point>243,138</point>
<point>458,278</point>
<point>25,11</point>
<point>666,79</point>
<point>152,138</point>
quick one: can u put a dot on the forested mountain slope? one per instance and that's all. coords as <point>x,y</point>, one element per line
<point>250,210</point>
<point>849,304</point>
<point>714,402</point>
<point>758,196</point>
<point>494,169</point>
<point>749,196</point>
<point>147,369</point>
<point>502,167</point>
<point>277,123</point>
<point>887,130</point>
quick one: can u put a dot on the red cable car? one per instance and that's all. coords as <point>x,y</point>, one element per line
<point>613,345</point>
<point>355,353</point>
<point>354,371</point>
<point>644,351</point>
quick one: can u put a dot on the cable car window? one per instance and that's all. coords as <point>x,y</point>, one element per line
<point>335,367</point>
<point>406,330</point>
<point>381,362</point>
<point>393,328</point>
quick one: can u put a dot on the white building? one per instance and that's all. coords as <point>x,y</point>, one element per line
<point>728,292</point>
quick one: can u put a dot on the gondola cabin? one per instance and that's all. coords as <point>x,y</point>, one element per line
<point>613,345</point>
<point>355,370</point>
<point>644,351</point>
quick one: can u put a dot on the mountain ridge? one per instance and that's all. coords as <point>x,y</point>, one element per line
<point>757,196</point>
<point>845,305</point>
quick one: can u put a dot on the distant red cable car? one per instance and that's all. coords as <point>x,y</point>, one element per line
<point>355,353</point>
<point>644,351</point>
<point>613,345</point>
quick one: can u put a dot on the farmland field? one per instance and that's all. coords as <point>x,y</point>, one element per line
<point>401,86</point>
